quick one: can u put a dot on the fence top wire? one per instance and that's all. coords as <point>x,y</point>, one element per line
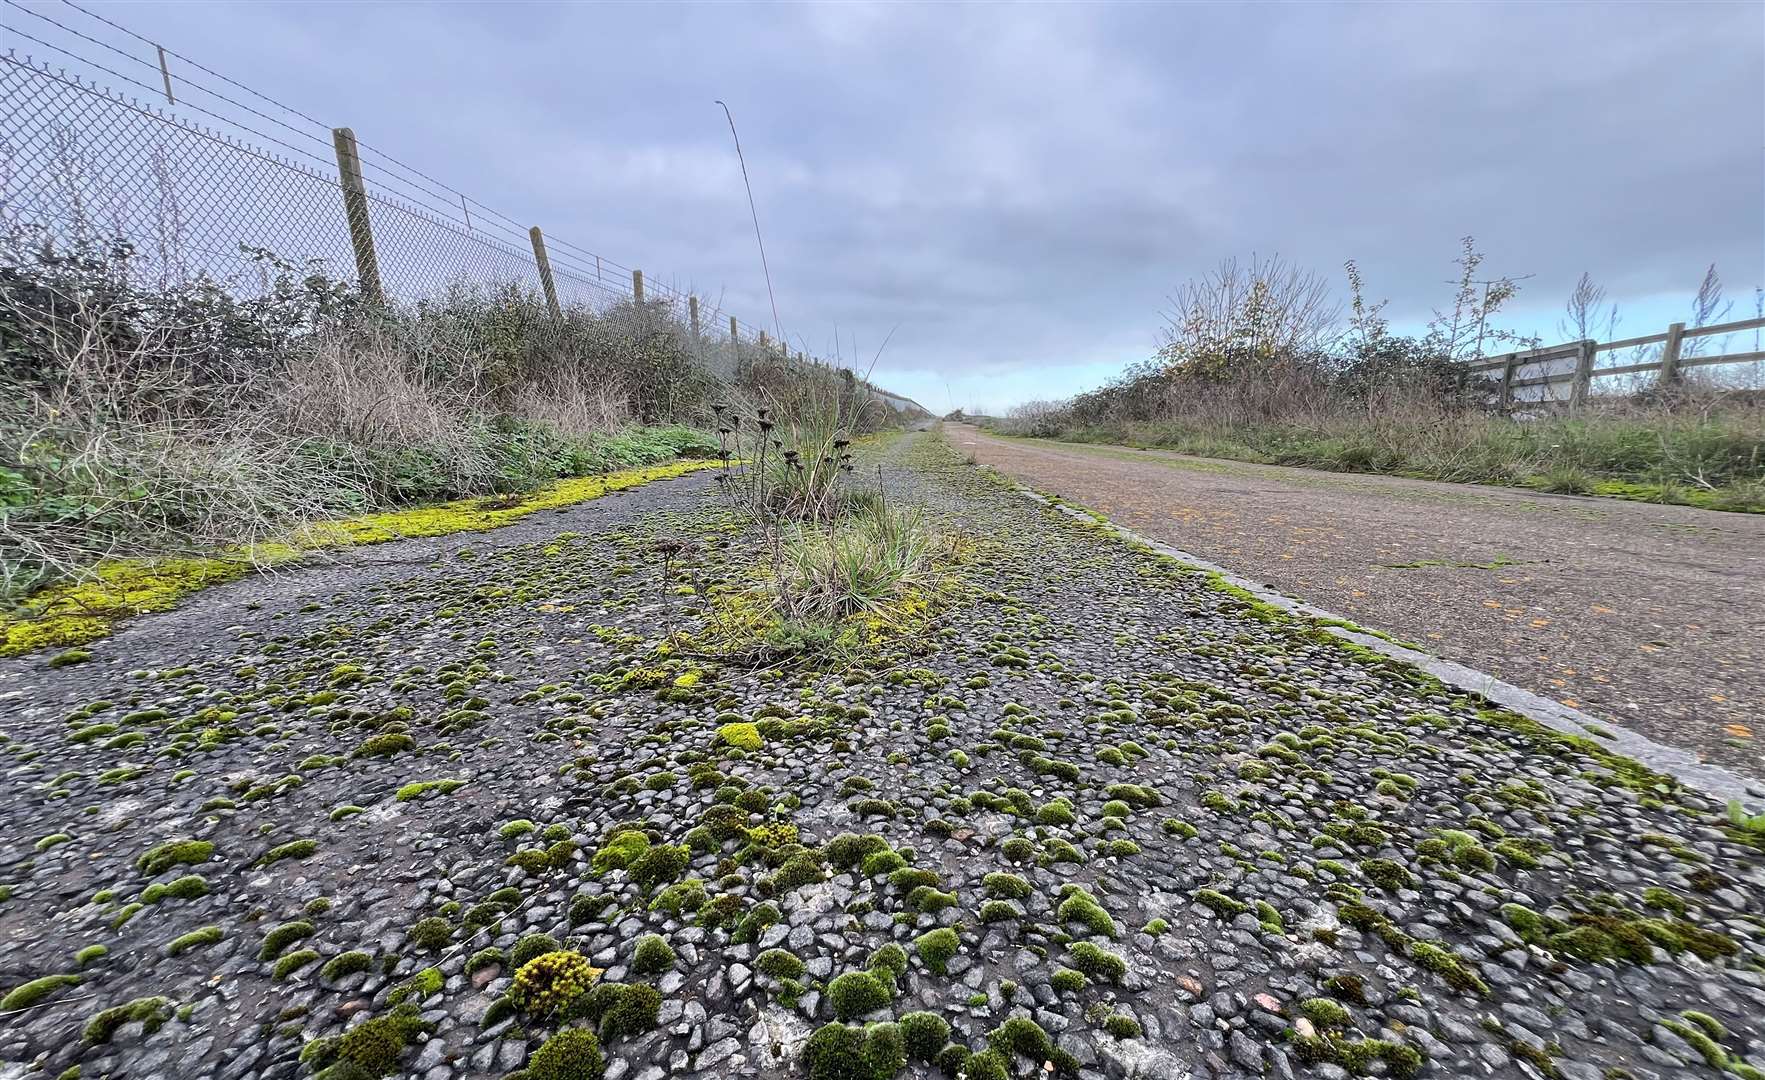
<point>392,183</point>
<point>95,89</point>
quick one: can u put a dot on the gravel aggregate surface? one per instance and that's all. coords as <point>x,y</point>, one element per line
<point>482,806</point>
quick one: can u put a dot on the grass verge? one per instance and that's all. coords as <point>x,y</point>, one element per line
<point>1713,463</point>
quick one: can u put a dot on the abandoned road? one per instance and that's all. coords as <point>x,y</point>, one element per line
<point>1642,614</point>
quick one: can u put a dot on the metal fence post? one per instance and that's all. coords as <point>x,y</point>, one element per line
<point>1670,354</point>
<point>355,208</point>
<point>1583,372</point>
<point>545,272</point>
<point>637,287</point>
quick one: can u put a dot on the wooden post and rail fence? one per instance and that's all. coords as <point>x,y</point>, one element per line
<point>1574,364</point>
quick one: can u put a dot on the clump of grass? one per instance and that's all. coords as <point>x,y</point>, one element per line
<point>863,567</point>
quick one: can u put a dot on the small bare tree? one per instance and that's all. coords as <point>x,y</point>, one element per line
<point>1587,313</point>
<point>1239,316</point>
<point>1462,333</point>
<point>1707,307</point>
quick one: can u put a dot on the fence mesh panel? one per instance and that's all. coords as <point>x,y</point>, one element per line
<point>86,168</point>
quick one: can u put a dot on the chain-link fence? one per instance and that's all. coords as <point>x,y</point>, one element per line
<point>202,177</point>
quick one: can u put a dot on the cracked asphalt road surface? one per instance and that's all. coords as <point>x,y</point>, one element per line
<point>1642,614</point>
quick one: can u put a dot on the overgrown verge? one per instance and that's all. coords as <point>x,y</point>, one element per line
<point>1714,460</point>
<point>1259,363</point>
<point>142,420</point>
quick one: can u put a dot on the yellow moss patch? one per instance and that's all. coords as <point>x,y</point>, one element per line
<point>477,515</point>
<point>77,613</point>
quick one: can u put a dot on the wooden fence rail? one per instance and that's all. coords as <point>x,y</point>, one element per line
<point>1574,362</point>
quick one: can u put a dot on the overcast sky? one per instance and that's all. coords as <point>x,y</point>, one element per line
<point>1018,187</point>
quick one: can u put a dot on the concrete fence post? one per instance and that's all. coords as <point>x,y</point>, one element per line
<point>1670,354</point>
<point>1584,350</point>
<point>355,209</point>
<point>545,272</point>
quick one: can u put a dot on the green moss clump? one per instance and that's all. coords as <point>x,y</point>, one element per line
<point>552,983</point>
<point>293,849</point>
<point>183,943</point>
<point>373,1047</point>
<point>1447,964</point>
<point>937,947</point>
<point>1356,1056</point>
<point>856,993</point>
<point>532,946</point>
<point>623,1009</point>
<point>1220,903</point>
<point>293,962</point>
<point>586,908</point>
<point>420,788</point>
<point>1387,874</point>
<point>924,1034</point>
<point>420,987</point>
<point>1005,886</point>
<point>1081,907</point>
<point>882,862</point>
<point>844,1052</point>
<point>571,1054</point>
<point>986,1065</point>
<point>889,960</point>
<point>345,964</point>
<point>432,934</point>
<point>150,1012</point>
<point>652,955</point>
<point>157,860</point>
<point>847,850</point>
<point>994,911</point>
<point>1068,981</point>
<point>779,964</point>
<point>1096,962</point>
<point>385,744</point>
<point>742,736</point>
<point>799,870</point>
<point>1023,1037</point>
<point>27,994</point>
<point>620,851</point>
<point>1324,1012</point>
<point>1532,927</point>
<point>277,941</point>
<point>1056,812</point>
<point>1122,1026</point>
<point>90,955</point>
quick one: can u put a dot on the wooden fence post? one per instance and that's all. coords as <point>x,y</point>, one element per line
<point>355,208</point>
<point>637,287</point>
<point>545,272</point>
<point>692,309</point>
<point>1507,379</point>
<point>735,334</point>
<point>1670,354</point>
<point>1583,373</point>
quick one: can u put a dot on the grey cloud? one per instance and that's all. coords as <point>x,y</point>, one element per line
<point>1018,186</point>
